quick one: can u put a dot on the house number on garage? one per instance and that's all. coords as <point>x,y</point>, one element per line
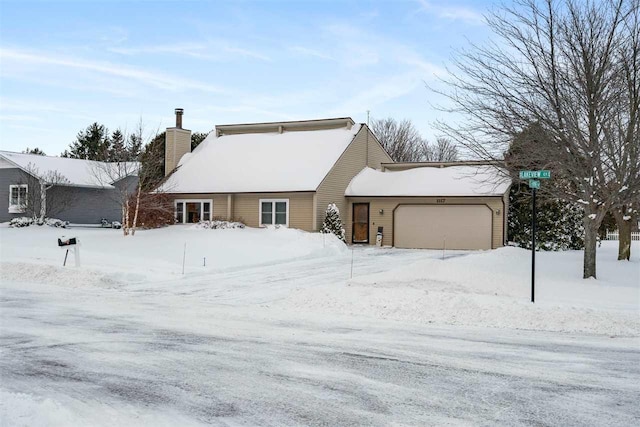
<point>440,201</point>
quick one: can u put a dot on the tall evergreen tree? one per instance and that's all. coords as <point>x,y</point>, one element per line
<point>197,138</point>
<point>93,143</point>
<point>134,147</point>
<point>117,152</point>
<point>152,160</point>
<point>35,150</point>
<point>559,223</point>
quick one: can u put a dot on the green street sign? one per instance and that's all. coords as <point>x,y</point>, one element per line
<point>534,183</point>
<point>535,174</point>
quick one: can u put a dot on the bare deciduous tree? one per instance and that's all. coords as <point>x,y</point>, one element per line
<point>622,139</point>
<point>557,64</point>
<point>119,175</point>
<point>442,151</point>
<point>141,193</point>
<point>40,202</point>
<point>401,140</point>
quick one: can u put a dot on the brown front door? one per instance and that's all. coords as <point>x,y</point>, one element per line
<point>360,223</point>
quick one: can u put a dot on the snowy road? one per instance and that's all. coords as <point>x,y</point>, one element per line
<point>210,350</point>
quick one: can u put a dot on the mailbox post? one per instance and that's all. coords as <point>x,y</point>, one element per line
<point>70,244</point>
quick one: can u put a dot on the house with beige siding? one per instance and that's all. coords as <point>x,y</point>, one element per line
<point>280,173</point>
<point>287,173</point>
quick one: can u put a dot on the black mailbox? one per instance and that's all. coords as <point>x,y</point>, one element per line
<point>68,242</point>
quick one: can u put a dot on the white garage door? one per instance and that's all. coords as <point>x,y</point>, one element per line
<point>435,227</point>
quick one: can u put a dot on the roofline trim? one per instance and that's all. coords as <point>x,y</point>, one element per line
<point>329,119</point>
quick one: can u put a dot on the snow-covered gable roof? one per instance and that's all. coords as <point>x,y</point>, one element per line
<point>76,172</point>
<point>449,181</point>
<point>260,162</point>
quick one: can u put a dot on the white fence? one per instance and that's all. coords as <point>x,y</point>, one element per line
<point>613,235</point>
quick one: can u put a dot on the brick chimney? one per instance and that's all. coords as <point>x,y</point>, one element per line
<point>177,143</point>
<point>179,113</point>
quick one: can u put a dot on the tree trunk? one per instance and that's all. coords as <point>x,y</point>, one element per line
<point>624,235</point>
<point>135,215</point>
<point>43,201</point>
<point>124,219</point>
<point>590,243</point>
<point>127,211</point>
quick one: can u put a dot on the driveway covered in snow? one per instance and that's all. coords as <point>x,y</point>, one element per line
<point>243,345</point>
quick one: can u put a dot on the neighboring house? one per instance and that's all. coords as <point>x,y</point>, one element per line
<point>78,191</point>
<point>286,173</point>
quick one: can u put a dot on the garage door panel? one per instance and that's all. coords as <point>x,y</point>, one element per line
<point>449,226</point>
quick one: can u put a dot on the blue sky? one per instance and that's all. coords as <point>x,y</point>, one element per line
<point>64,65</point>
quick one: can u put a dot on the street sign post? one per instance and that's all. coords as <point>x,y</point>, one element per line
<point>534,184</point>
<point>535,174</point>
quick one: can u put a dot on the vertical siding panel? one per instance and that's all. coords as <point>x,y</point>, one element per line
<point>352,161</point>
<point>247,208</point>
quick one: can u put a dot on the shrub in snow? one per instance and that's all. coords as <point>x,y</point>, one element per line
<point>23,221</point>
<point>332,222</point>
<point>559,224</point>
<point>154,211</point>
<point>116,225</point>
<point>219,225</point>
<point>27,221</point>
<point>54,222</point>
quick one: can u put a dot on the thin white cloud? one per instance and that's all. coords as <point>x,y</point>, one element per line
<point>386,89</point>
<point>158,80</point>
<point>178,48</point>
<point>17,118</point>
<point>452,12</point>
<point>310,52</point>
<point>371,50</point>
<point>212,50</point>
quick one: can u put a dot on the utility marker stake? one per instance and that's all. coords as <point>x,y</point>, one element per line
<point>184,255</point>
<point>204,261</point>
<point>351,263</point>
<point>444,247</point>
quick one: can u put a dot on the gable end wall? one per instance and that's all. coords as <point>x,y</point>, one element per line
<point>350,163</point>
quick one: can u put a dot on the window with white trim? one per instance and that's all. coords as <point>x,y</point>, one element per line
<point>18,198</point>
<point>193,210</point>
<point>274,212</point>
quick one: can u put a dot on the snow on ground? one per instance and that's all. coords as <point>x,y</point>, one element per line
<point>493,289</point>
<point>473,288</point>
<point>156,254</point>
<point>272,331</point>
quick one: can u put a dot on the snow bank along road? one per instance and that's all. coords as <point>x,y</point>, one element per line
<point>219,347</point>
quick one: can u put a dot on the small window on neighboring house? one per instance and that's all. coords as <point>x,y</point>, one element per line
<point>17,198</point>
<point>274,212</point>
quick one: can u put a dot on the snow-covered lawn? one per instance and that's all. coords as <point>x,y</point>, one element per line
<point>484,288</point>
<point>493,289</point>
<point>273,331</point>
